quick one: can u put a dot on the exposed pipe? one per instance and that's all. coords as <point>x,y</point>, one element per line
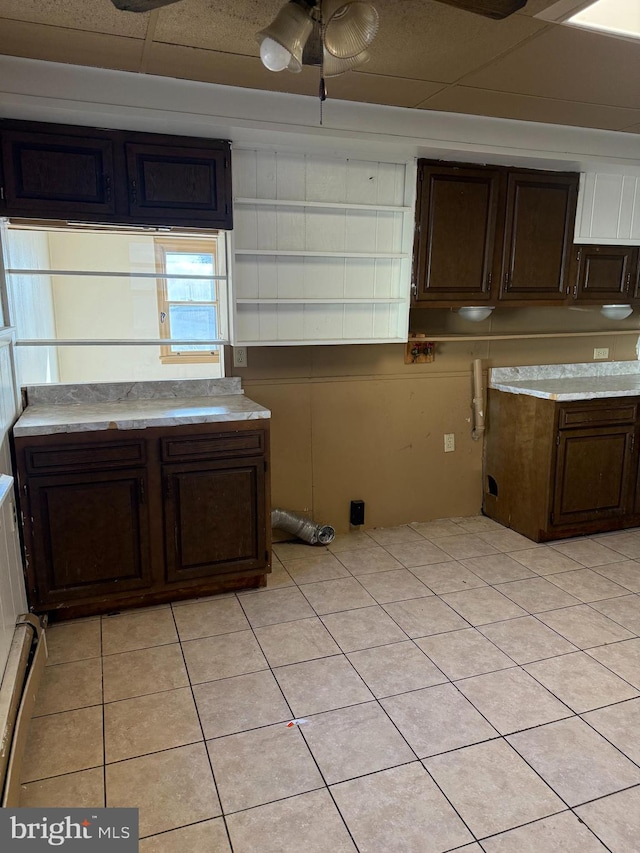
<point>478,400</point>
<point>303,528</point>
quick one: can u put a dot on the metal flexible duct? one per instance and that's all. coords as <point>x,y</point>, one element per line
<point>303,528</point>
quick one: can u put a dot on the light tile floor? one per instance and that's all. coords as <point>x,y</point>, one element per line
<point>456,687</point>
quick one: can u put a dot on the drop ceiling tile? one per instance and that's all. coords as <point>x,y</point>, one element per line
<point>569,64</point>
<point>99,16</point>
<point>378,89</point>
<point>56,44</point>
<point>210,66</point>
<point>465,99</point>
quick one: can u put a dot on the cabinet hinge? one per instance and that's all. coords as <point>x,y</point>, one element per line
<point>575,290</point>
<point>2,193</point>
<point>627,282</point>
<point>507,278</point>
<point>141,491</point>
<point>633,441</point>
<point>579,254</point>
<point>558,440</point>
<point>25,489</point>
<point>552,518</point>
<point>490,279</point>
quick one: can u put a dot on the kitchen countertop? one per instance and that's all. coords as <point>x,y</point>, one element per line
<point>83,408</point>
<point>565,382</point>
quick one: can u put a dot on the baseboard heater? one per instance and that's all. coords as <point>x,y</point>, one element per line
<point>18,690</point>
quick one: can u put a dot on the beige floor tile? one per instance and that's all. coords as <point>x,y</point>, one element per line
<point>477,523</point>
<point>309,822</point>
<point>394,586</point>
<point>545,560</point>
<point>147,724</point>
<point>421,617</point>
<point>588,585</point>
<point>506,540</point>
<point>205,599</point>
<point>464,546</point>
<point>321,685</point>
<point>210,618</point>
<point>437,529</point>
<point>526,639</point>
<point>131,631</point>
<point>512,700</point>
<point>484,605</point>
<point>73,641</point>
<point>399,810</point>
<point>223,657</point>
<point>172,788</point>
<point>615,820</point>
<point>461,654</point>
<point>278,605</point>
<point>336,595</point>
<point>396,668</point>
<point>235,704</point>
<point>537,595</point>
<point>294,642</point>
<point>589,553</point>
<point>581,682</point>
<point>447,577</point>
<point>350,542</point>
<point>355,741</point>
<point>498,568</point>
<point>625,611</point>
<point>620,724</point>
<point>625,574</point>
<point>210,836</point>
<point>437,719</point>
<point>363,628</point>
<point>561,833</point>
<point>391,535</point>
<point>584,627</point>
<point>68,686</point>
<point>624,543</point>
<point>422,553</point>
<point>84,789</point>
<point>623,658</point>
<point>575,761</point>
<point>323,567</point>
<point>277,578</point>
<point>296,549</point>
<point>492,788</point>
<point>63,743</point>
<point>366,561</point>
<point>144,671</point>
<point>260,766</point>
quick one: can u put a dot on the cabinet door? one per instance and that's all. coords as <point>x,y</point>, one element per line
<point>179,185</point>
<point>51,175</point>
<point>593,478</point>
<point>538,236</point>
<point>90,535</point>
<point>605,273</point>
<point>455,233</point>
<point>215,518</point>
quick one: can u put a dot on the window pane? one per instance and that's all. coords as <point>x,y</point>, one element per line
<point>197,322</point>
<point>190,263</point>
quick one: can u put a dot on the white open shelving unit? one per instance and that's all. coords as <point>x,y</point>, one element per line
<point>322,249</point>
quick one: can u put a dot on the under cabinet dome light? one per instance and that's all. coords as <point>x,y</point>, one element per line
<point>616,312</point>
<point>475,312</point>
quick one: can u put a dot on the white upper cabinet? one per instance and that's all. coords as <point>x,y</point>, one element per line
<point>608,209</point>
<point>322,249</point>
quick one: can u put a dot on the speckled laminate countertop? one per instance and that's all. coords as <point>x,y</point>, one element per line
<point>82,408</point>
<point>565,382</point>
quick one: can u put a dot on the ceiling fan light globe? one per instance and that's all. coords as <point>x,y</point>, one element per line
<point>334,66</point>
<point>349,27</point>
<point>274,56</point>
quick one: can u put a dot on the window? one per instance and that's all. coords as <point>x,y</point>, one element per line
<point>188,298</point>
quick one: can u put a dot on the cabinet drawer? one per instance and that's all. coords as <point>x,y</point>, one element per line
<point>212,446</point>
<point>84,457</point>
<point>602,415</point>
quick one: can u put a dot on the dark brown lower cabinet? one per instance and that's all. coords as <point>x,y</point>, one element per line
<point>554,470</point>
<point>100,534</point>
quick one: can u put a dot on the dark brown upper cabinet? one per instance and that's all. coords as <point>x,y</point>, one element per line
<point>114,177</point>
<point>455,233</point>
<point>605,273</point>
<point>538,235</point>
<point>492,235</point>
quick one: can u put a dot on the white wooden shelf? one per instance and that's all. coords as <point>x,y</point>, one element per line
<point>327,205</point>
<point>311,253</point>
<point>327,301</point>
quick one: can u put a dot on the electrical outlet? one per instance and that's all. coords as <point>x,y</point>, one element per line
<point>239,356</point>
<point>449,442</point>
<point>601,352</point>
